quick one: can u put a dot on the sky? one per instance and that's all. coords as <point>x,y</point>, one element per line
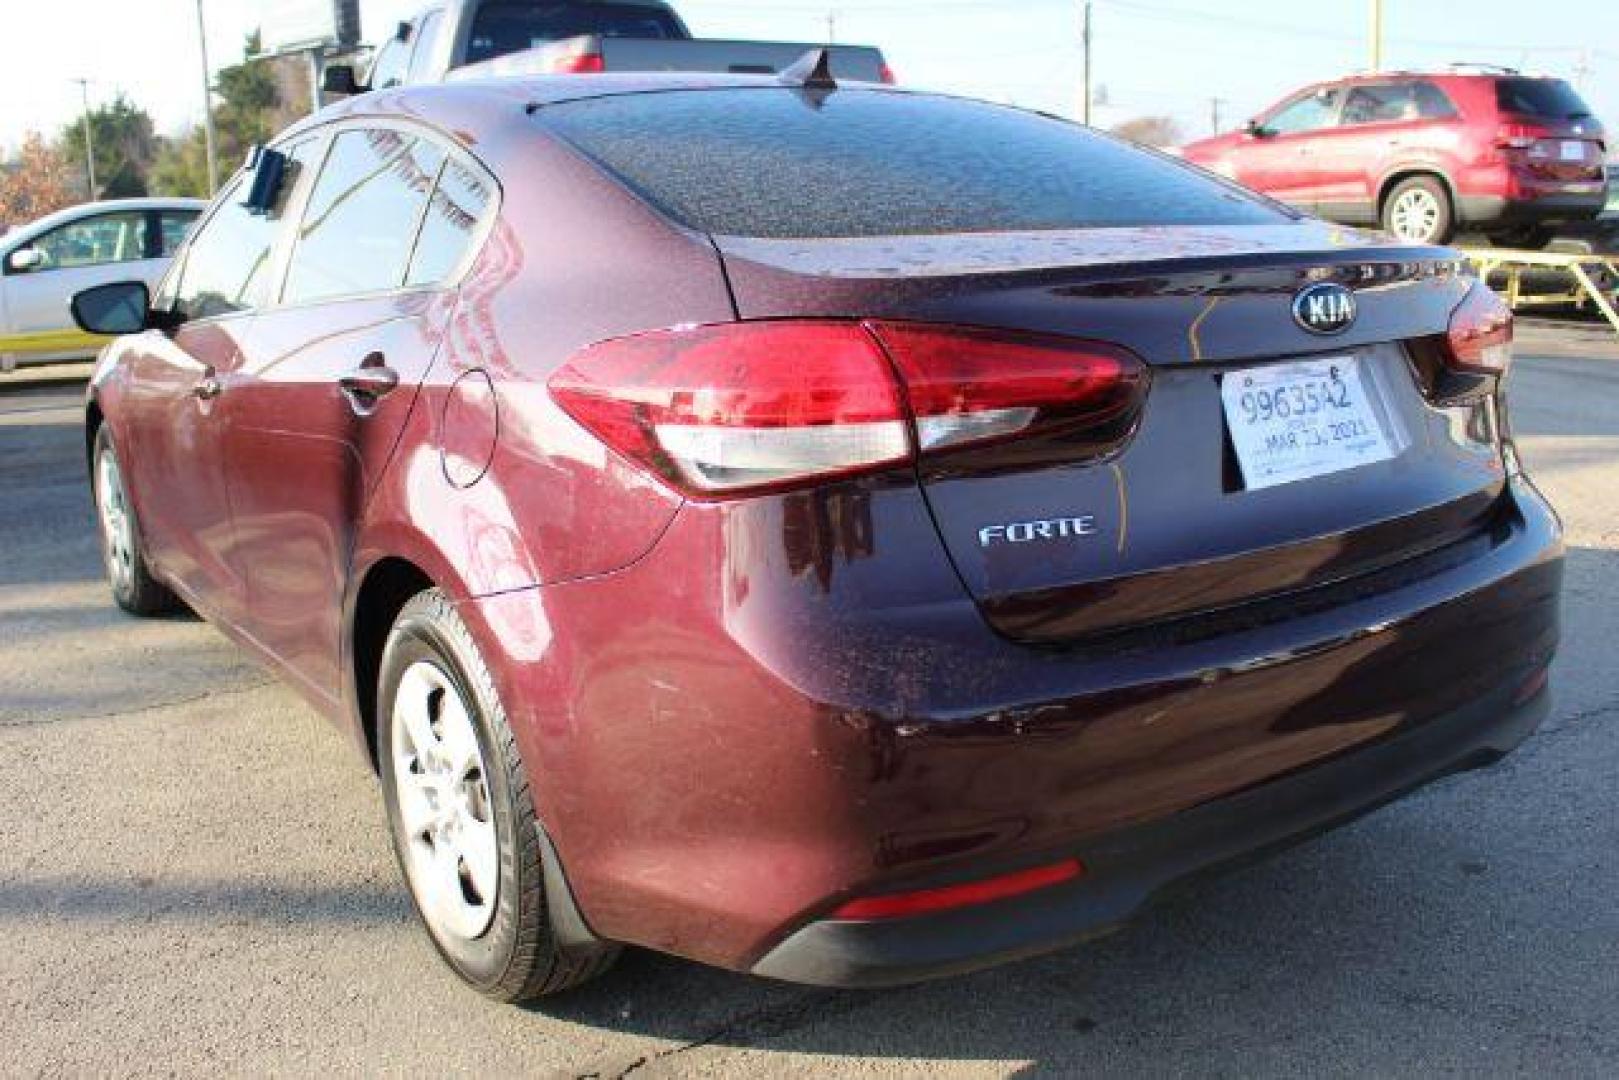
<point>1180,58</point>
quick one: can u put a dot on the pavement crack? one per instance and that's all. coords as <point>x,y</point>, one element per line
<point>758,1025</point>
<point>168,703</point>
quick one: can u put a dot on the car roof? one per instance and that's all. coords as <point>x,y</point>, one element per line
<point>1442,74</point>
<point>103,206</point>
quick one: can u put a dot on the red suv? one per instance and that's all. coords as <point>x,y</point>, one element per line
<point>1423,155</point>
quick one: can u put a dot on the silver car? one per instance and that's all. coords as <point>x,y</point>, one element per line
<point>44,263</point>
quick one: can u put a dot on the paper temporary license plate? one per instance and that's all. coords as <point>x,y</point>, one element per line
<point>1301,419</point>
<point>1573,150</point>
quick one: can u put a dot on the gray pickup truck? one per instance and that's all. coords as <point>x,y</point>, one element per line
<point>478,38</point>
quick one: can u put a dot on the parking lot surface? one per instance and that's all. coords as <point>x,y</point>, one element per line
<point>195,877</point>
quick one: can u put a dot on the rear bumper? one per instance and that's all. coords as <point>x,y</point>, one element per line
<point>1551,205</point>
<point>1125,869</point>
<point>782,715</point>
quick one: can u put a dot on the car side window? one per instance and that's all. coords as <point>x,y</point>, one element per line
<point>389,67</point>
<point>426,37</point>
<point>1432,102</point>
<point>228,263</point>
<point>94,241</point>
<point>172,226</point>
<point>1380,104</point>
<point>458,204</point>
<point>362,215</point>
<point>1309,113</point>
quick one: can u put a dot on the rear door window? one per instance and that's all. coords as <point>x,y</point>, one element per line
<point>1380,104</point>
<point>1432,102</point>
<point>362,215</point>
<point>778,163</point>
<point>172,228</point>
<point>1545,99</point>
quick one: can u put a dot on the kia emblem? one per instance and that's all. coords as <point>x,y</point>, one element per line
<point>1324,308</point>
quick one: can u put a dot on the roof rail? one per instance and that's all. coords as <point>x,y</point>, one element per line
<point>1499,69</point>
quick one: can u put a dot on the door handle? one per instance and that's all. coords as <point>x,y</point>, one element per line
<point>208,387</point>
<point>369,382</point>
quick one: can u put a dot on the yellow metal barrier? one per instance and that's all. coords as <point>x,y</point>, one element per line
<point>1590,280</point>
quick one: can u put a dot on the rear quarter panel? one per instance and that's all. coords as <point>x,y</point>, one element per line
<point>505,487</point>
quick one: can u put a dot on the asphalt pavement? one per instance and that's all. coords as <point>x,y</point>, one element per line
<point>195,878</point>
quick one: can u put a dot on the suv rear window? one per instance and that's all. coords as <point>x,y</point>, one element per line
<point>1549,99</point>
<point>501,28</point>
<point>777,164</point>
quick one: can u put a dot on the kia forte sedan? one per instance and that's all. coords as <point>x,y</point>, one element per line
<point>839,533</point>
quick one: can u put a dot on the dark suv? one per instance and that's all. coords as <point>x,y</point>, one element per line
<point>1422,155</point>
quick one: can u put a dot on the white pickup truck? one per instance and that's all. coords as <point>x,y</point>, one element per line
<point>477,38</point>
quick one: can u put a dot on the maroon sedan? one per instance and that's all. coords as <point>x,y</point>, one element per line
<point>839,533</point>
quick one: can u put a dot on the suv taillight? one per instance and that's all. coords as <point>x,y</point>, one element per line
<point>579,64</point>
<point>1519,136</point>
<point>1479,341</point>
<point>740,408</point>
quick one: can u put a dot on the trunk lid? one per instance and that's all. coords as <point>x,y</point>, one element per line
<point>1175,533</point>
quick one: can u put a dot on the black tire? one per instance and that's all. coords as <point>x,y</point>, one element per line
<point>519,956</point>
<point>1523,238</point>
<point>130,578</point>
<point>1444,217</point>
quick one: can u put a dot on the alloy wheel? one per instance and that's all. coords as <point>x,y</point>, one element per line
<point>1415,215</point>
<point>117,526</point>
<point>452,852</point>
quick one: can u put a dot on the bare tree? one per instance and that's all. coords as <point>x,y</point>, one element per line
<point>38,181</point>
<point>1150,131</point>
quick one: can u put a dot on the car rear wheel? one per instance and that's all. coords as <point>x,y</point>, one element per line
<point>1418,210</point>
<point>133,586</point>
<point>462,815</point>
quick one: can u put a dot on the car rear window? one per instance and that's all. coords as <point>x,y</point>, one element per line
<point>783,163</point>
<point>502,28</point>
<point>1550,99</point>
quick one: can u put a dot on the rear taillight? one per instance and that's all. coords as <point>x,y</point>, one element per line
<point>1518,136</point>
<point>885,74</point>
<point>746,407</point>
<point>1479,341</point>
<point>973,386</point>
<point>579,63</point>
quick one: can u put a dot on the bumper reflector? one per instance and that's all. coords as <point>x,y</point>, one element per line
<point>945,898</point>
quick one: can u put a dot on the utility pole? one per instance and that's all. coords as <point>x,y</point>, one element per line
<point>831,26</point>
<point>89,141</point>
<point>1214,113</point>
<point>1582,70</point>
<point>1085,42</point>
<point>1377,34</point>
<point>207,104</point>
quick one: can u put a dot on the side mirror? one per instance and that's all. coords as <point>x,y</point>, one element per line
<point>340,79</point>
<point>122,307</point>
<point>25,260</point>
<point>1255,129</point>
